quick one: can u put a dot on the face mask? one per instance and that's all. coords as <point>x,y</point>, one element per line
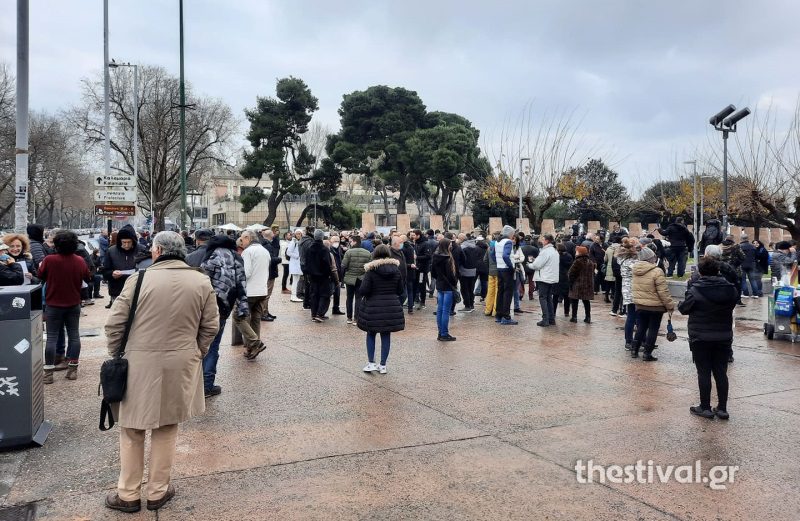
<point>334,245</point>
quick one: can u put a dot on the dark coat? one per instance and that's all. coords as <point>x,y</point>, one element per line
<point>678,235</point>
<point>482,264</point>
<point>564,264</point>
<point>570,247</point>
<point>749,252</point>
<point>458,256</point>
<point>424,255</point>
<point>118,259</point>
<point>762,259</point>
<point>379,309</point>
<point>581,278</point>
<point>318,261</point>
<point>597,253</point>
<point>274,249</point>
<point>196,258</point>
<point>443,272</point>
<point>411,258</point>
<point>11,275</point>
<point>401,258</point>
<point>711,235</point>
<point>710,302</point>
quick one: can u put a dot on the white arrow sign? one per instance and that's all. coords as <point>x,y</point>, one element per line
<point>115,195</point>
<point>115,180</point>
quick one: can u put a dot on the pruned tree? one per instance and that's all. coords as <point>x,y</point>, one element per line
<point>278,154</point>
<point>209,130</point>
<point>7,141</point>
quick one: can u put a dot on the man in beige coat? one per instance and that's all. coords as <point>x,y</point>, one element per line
<point>176,320</point>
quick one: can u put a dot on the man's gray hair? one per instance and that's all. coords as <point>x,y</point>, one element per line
<point>250,234</point>
<point>712,250</point>
<point>170,243</point>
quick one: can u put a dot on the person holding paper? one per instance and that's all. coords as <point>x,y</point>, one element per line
<point>120,262</point>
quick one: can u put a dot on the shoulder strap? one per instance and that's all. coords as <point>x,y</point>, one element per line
<point>132,313</point>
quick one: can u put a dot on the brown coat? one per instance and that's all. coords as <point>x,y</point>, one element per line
<point>581,278</point>
<point>649,288</point>
<point>176,320</point>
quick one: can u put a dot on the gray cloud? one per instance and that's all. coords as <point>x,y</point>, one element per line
<point>646,74</point>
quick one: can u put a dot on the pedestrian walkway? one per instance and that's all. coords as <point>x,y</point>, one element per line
<point>489,427</point>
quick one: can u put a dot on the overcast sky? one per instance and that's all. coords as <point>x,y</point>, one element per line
<point>643,76</point>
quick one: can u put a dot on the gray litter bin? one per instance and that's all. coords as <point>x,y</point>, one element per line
<point>21,367</point>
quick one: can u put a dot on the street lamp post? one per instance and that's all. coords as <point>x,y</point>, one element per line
<point>725,121</point>
<point>521,160</point>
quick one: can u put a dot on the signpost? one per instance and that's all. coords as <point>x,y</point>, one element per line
<point>116,191</point>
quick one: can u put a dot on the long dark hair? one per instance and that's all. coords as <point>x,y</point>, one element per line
<point>444,249</point>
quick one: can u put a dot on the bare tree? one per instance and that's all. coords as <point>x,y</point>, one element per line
<point>209,128</point>
<point>552,144</point>
<point>7,141</point>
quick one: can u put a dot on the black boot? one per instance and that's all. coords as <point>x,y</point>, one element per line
<point>634,350</point>
<point>574,315</point>
<point>648,354</point>
<point>588,318</point>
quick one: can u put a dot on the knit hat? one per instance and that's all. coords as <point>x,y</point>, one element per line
<point>319,235</point>
<point>646,254</point>
<point>508,230</point>
<point>582,250</point>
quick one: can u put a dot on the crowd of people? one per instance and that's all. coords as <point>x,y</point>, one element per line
<point>198,282</point>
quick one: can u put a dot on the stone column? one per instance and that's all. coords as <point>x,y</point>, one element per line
<point>466,223</point>
<point>548,226</point>
<point>495,224</point>
<point>593,226</point>
<point>523,225</point>
<point>403,223</point>
<point>634,229</point>
<point>437,223</point>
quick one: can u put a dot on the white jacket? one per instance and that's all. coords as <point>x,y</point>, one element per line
<point>256,269</point>
<point>545,266</point>
<point>293,250</point>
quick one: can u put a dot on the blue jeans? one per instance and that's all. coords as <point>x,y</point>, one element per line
<point>211,358</point>
<point>386,344</point>
<point>445,303</point>
<point>630,322</point>
<point>752,277</point>
<point>518,283</point>
<point>410,284</point>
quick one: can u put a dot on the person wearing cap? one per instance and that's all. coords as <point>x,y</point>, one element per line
<point>201,238</point>
<point>782,260</point>
<point>11,273</point>
<point>505,277</point>
<point>652,299</point>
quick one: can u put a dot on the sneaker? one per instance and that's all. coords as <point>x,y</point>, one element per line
<point>108,306</point>
<point>722,415</point>
<point>90,302</point>
<point>627,346</point>
<point>508,322</point>
<point>370,367</point>
<point>337,312</point>
<point>286,292</point>
<point>446,338</point>
<point>99,296</point>
<point>613,313</point>
<point>411,311</point>
<point>468,310</point>
<point>266,318</point>
<point>214,391</point>
<point>705,413</point>
<point>295,299</point>
<point>382,369</point>
<point>317,319</point>
<point>518,311</point>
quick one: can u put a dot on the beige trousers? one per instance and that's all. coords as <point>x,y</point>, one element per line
<point>270,287</point>
<point>131,456</point>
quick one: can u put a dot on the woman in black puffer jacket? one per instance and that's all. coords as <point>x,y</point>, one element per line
<point>379,308</point>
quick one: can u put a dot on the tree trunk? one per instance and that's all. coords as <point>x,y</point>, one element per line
<point>272,207</point>
<point>159,220</point>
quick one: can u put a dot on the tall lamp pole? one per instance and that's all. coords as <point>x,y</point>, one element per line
<point>725,121</point>
<point>521,160</point>
<point>135,67</point>
<point>183,125</point>
<point>22,128</point>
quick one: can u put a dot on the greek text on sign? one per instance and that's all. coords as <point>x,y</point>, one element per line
<point>115,180</point>
<point>114,209</point>
<point>115,195</point>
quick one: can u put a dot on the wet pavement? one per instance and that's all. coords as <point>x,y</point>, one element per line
<point>488,427</point>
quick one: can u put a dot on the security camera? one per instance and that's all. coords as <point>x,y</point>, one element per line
<point>722,114</point>
<point>732,120</point>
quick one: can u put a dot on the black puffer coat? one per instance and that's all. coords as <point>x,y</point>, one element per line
<point>710,303</point>
<point>564,264</point>
<point>119,259</point>
<point>379,309</point>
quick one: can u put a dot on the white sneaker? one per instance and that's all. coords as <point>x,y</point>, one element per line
<point>293,299</point>
<point>755,296</point>
<point>382,369</point>
<point>612,314</point>
<point>371,367</point>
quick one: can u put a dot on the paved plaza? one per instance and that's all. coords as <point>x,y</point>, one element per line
<point>488,427</point>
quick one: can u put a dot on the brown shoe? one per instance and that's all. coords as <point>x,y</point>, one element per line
<point>115,503</point>
<point>155,505</point>
<point>48,376</point>
<point>61,363</point>
<point>72,372</point>
<point>286,291</point>
<point>255,352</point>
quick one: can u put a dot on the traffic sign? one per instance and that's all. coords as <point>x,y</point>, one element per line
<point>115,180</point>
<point>115,209</point>
<point>115,195</point>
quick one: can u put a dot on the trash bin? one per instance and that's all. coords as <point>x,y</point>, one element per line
<point>21,367</point>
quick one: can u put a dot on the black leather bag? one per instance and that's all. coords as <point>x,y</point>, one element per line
<point>114,372</point>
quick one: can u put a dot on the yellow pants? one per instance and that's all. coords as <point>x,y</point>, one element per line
<point>491,296</point>
<point>131,456</point>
